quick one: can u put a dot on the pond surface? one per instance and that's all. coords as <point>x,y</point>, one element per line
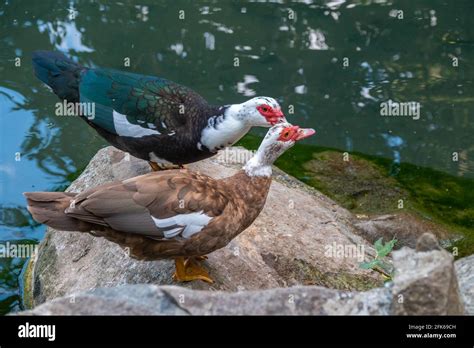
<point>329,63</point>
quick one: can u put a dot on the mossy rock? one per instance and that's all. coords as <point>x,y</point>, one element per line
<point>373,185</point>
<point>368,185</point>
<point>357,184</point>
<point>27,297</point>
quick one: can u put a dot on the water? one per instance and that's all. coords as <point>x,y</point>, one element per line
<point>332,62</point>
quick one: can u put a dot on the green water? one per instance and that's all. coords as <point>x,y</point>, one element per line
<point>293,51</point>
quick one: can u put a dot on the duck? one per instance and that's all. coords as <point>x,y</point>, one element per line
<point>152,118</point>
<point>174,214</point>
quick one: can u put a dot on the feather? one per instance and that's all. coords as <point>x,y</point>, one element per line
<point>127,100</point>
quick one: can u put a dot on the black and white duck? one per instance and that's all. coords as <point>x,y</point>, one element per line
<point>150,117</point>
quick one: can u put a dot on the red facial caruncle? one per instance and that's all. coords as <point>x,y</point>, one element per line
<point>295,133</point>
<point>272,115</point>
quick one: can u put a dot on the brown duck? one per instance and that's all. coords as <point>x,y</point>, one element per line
<point>176,214</point>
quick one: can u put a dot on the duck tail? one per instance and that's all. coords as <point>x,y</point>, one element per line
<point>59,72</point>
<point>48,208</point>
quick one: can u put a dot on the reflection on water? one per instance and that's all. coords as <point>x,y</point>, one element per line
<point>333,62</point>
<point>64,36</point>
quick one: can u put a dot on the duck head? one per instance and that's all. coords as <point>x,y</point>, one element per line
<point>258,112</point>
<point>279,138</point>
<point>222,131</point>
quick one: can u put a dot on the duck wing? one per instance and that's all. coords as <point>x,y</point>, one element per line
<point>134,105</point>
<point>159,205</point>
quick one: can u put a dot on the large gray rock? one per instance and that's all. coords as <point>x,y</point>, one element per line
<point>173,300</point>
<point>425,283</point>
<point>287,245</point>
<point>465,274</point>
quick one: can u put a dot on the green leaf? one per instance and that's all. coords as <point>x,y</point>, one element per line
<point>386,249</point>
<point>378,244</point>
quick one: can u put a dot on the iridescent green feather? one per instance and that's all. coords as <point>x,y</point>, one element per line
<point>143,99</point>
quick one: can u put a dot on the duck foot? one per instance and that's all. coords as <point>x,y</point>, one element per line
<point>156,167</point>
<point>189,269</point>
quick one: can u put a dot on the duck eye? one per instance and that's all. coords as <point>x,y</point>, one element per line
<point>264,108</point>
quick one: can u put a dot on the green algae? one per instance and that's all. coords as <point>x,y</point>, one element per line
<point>27,296</point>
<point>368,184</point>
<point>305,273</point>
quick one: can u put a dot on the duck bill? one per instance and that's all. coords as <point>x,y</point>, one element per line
<point>304,133</point>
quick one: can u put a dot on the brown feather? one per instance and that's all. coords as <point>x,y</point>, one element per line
<point>122,211</point>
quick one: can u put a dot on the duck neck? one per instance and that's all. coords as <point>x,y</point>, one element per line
<point>260,165</point>
<point>224,129</point>
<point>257,166</point>
<point>252,190</point>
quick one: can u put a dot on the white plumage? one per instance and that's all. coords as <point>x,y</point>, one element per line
<point>188,224</point>
<point>127,129</point>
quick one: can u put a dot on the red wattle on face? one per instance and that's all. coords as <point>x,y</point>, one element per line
<point>273,116</point>
<point>295,133</point>
<point>289,133</point>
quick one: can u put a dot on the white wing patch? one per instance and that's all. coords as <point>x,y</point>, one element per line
<point>189,224</point>
<point>227,132</point>
<point>127,129</point>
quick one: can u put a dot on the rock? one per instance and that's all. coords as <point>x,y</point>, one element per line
<point>465,273</point>
<point>286,246</point>
<point>172,300</point>
<point>405,227</point>
<point>366,189</point>
<point>427,242</point>
<point>356,183</point>
<point>425,283</point>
